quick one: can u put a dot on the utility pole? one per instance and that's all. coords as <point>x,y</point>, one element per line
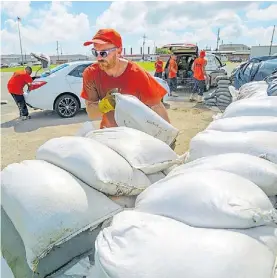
<point>18,20</point>
<point>218,39</point>
<point>271,40</point>
<point>144,37</point>
<point>58,50</point>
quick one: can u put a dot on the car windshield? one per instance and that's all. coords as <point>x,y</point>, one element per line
<point>47,73</point>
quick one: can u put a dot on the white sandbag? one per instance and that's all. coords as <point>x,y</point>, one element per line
<point>225,98</point>
<point>212,142</point>
<point>155,177</point>
<point>95,164</point>
<point>48,206</point>
<point>260,171</point>
<point>5,269</point>
<point>252,107</point>
<point>226,94</point>
<point>131,112</point>
<point>245,123</point>
<point>233,92</point>
<point>139,245</point>
<point>209,199</point>
<point>85,128</point>
<point>219,91</point>
<point>264,234</point>
<point>141,150</point>
<point>256,89</point>
<point>223,82</point>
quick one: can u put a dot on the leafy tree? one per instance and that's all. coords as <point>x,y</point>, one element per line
<point>163,51</point>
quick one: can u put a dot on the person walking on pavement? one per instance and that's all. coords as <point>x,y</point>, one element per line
<point>15,87</point>
<point>159,68</point>
<point>112,72</point>
<point>172,75</point>
<point>199,75</point>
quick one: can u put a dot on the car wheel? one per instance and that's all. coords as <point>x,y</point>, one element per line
<point>67,106</point>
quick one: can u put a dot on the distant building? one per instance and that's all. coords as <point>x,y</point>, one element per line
<point>28,59</point>
<point>234,47</point>
<point>262,50</point>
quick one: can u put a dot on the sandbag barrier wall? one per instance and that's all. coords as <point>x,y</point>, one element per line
<point>222,198</point>
<point>75,186</point>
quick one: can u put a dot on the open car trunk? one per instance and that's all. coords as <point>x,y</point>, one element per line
<point>45,62</point>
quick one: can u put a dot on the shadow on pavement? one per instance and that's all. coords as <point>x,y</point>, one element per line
<point>43,119</point>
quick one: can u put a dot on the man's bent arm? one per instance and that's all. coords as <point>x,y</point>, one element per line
<point>161,111</point>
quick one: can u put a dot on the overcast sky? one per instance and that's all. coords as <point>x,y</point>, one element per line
<point>72,23</point>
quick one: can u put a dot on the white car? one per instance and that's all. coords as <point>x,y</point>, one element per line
<point>59,89</point>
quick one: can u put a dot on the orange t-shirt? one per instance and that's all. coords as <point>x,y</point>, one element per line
<point>198,68</point>
<point>133,81</point>
<point>159,66</point>
<point>18,81</point>
<point>173,68</point>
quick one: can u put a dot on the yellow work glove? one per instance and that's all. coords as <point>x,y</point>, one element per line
<point>107,104</point>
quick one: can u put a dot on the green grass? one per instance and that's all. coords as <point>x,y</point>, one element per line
<point>35,68</point>
<point>149,66</point>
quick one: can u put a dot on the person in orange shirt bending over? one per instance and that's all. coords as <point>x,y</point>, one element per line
<point>159,68</point>
<point>15,87</point>
<point>172,75</point>
<point>199,75</point>
<point>112,72</point>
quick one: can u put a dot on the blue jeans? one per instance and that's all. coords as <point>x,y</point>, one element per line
<point>172,83</point>
<point>20,102</point>
<point>158,74</point>
<point>199,87</point>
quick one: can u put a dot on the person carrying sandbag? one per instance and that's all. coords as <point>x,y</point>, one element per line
<point>112,72</point>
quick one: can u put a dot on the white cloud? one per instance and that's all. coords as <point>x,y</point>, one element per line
<point>48,26</point>
<point>16,8</point>
<point>269,13</point>
<point>162,22</point>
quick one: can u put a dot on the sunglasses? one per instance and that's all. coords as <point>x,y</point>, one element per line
<point>102,53</point>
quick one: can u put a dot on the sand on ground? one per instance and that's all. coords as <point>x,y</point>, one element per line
<point>20,140</point>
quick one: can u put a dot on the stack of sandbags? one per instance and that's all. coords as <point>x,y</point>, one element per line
<point>119,162</point>
<point>131,112</point>
<point>221,97</point>
<point>210,216</point>
<point>55,214</point>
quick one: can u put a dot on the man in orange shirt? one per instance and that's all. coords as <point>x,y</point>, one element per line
<point>112,72</point>
<point>199,75</point>
<point>172,75</point>
<point>159,68</point>
<point>15,87</point>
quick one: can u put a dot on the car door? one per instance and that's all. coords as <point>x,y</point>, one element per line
<point>75,81</point>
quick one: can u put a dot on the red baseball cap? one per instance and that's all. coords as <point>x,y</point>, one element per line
<point>106,36</point>
<point>202,53</point>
